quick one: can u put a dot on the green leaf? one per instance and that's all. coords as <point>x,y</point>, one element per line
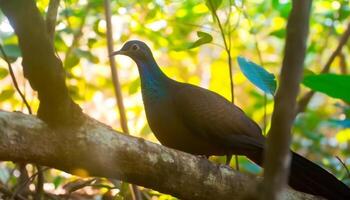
<point>258,75</point>
<point>6,94</point>
<point>67,12</point>
<point>281,33</point>
<point>336,86</point>
<point>344,12</point>
<point>57,181</point>
<point>249,166</point>
<point>213,5</point>
<point>3,73</point>
<point>97,29</point>
<point>345,123</point>
<point>282,6</point>
<point>12,51</point>
<point>71,61</point>
<point>60,44</point>
<point>204,38</point>
<point>91,42</point>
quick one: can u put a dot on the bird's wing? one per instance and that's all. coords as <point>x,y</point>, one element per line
<point>212,117</point>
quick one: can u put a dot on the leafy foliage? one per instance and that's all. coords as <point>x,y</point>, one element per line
<point>12,52</point>
<point>6,94</point>
<point>256,27</point>
<point>258,75</point>
<point>331,84</point>
<point>204,38</point>
<point>3,73</point>
<point>343,123</point>
<point>213,5</point>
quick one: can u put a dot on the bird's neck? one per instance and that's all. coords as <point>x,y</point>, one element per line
<point>153,80</point>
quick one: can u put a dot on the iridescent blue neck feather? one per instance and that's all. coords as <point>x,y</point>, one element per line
<point>153,80</point>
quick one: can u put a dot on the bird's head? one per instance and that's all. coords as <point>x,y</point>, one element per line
<point>135,49</point>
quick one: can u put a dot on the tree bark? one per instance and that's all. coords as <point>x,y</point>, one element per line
<point>92,147</point>
<point>40,64</point>
<point>97,150</point>
<point>277,154</point>
<point>51,18</point>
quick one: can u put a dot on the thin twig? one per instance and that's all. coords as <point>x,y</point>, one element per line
<point>227,45</point>
<point>228,21</point>
<point>22,180</point>
<point>78,184</point>
<point>23,170</point>
<point>344,38</point>
<point>39,189</point>
<point>8,193</point>
<point>136,194</point>
<point>13,77</point>
<point>30,179</point>
<point>342,63</point>
<point>344,165</point>
<point>277,155</point>
<point>227,49</point>
<point>114,71</point>
<point>51,18</point>
<point>230,30</point>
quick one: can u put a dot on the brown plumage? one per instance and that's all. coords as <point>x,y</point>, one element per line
<point>201,122</point>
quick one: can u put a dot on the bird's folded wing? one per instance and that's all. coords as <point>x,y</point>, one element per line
<point>212,117</point>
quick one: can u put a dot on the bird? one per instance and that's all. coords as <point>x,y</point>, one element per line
<point>198,121</point>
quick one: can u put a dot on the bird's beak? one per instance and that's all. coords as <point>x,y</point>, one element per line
<point>120,52</point>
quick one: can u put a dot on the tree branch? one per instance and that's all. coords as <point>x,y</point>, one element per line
<point>113,66</point>
<point>40,65</point>
<point>277,154</point>
<point>135,192</point>
<point>51,18</point>
<point>101,151</point>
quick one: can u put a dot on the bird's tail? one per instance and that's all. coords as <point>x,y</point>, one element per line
<point>308,177</point>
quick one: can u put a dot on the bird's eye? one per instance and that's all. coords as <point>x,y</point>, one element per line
<point>135,47</point>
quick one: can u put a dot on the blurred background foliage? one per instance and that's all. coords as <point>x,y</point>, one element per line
<point>175,30</point>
